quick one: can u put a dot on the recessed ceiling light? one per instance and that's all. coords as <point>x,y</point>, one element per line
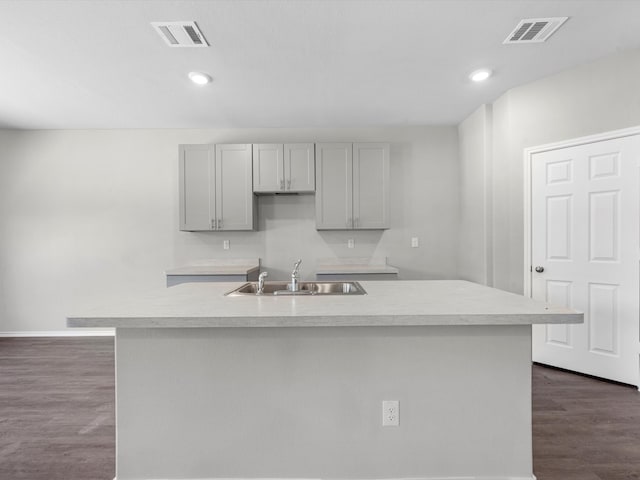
<point>480,75</point>
<point>199,78</point>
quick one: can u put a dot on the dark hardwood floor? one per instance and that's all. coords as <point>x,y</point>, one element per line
<point>584,428</point>
<point>57,409</point>
<point>57,416</point>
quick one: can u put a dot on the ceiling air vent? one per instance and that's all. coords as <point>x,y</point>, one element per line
<point>180,34</point>
<point>535,30</point>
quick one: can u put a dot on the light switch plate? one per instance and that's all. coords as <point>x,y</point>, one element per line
<point>351,243</point>
<point>415,243</point>
<point>225,244</point>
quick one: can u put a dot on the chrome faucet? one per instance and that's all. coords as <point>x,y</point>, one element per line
<point>261,283</point>
<point>295,285</point>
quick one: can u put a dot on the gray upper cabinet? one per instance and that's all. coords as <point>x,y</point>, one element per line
<point>371,185</point>
<point>268,168</point>
<point>334,173</point>
<point>196,179</point>
<point>352,186</point>
<point>216,188</point>
<point>300,167</point>
<point>236,207</point>
<point>288,168</point>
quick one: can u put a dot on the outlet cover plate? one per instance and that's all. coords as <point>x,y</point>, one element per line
<point>390,413</point>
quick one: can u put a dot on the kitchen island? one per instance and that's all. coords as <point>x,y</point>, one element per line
<point>210,386</point>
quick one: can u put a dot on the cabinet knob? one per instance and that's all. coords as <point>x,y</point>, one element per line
<point>539,269</point>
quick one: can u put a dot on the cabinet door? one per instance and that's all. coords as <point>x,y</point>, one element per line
<point>371,185</point>
<point>197,177</point>
<point>235,202</point>
<point>334,163</point>
<point>268,175</point>
<point>299,167</point>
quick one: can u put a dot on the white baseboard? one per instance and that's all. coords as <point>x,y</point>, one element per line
<point>109,332</point>
<point>529,477</point>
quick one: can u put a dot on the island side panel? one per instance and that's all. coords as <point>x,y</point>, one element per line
<point>307,402</point>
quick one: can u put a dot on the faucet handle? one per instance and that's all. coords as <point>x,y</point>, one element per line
<point>261,278</point>
<point>295,267</point>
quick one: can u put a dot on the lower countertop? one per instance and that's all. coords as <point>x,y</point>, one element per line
<point>388,303</point>
<point>217,267</point>
<point>350,266</point>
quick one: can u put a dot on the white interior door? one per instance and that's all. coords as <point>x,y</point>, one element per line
<point>585,251</point>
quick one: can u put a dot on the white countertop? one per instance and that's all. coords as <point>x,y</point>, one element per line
<point>231,266</point>
<point>388,303</point>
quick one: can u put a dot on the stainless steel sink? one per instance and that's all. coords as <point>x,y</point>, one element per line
<point>270,288</point>
<point>305,288</point>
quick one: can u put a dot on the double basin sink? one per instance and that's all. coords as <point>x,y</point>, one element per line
<point>304,288</point>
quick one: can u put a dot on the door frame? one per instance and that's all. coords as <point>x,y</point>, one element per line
<point>528,204</point>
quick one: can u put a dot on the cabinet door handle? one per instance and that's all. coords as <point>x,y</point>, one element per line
<point>288,184</point>
<point>219,224</point>
<point>213,224</point>
<point>282,184</point>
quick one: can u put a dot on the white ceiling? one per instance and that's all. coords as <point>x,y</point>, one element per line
<point>284,63</point>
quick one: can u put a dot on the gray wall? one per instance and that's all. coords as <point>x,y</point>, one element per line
<point>586,100</point>
<point>89,214</point>
<point>474,246</point>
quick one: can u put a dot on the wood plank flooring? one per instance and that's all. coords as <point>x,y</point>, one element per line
<point>584,428</point>
<point>57,409</point>
<point>57,416</point>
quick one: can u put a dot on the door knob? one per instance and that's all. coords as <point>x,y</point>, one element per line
<point>539,269</point>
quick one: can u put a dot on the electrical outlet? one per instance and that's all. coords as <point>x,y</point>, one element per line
<point>225,244</point>
<point>415,243</point>
<point>351,243</point>
<point>390,413</point>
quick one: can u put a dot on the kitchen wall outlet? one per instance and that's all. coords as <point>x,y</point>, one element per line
<point>351,243</point>
<point>225,244</point>
<point>390,413</point>
<point>415,243</point>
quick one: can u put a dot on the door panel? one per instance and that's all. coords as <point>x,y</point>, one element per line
<point>585,209</point>
<point>559,293</point>
<point>604,231</point>
<point>559,225</point>
<point>371,185</point>
<point>234,192</point>
<point>603,313</point>
<point>300,167</point>
<point>196,179</point>
<point>268,175</point>
<point>334,190</point>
